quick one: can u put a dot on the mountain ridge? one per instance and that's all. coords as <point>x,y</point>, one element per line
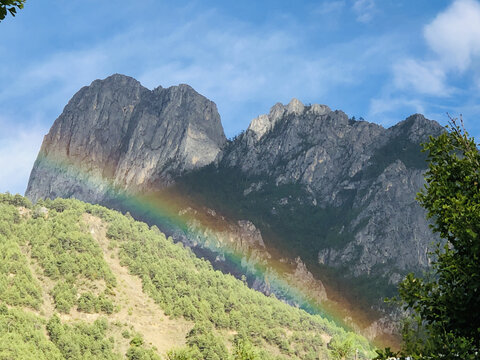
<point>316,185</point>
<point>125,108</point>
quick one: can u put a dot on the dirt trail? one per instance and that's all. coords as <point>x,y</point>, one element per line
<point>137,308</point>
<point>138,312</point>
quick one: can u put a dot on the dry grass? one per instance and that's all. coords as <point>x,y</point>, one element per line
<point>137,312</point>
<point>137,309</point>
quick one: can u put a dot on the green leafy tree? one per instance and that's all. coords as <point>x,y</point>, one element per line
<point>184,354</point>
<point>341,349</point>
<point>445,307</point>
<point>243,350</point>
<point>10,6</point>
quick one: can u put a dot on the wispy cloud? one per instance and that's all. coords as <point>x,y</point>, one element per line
<point>364,10</point>
<point>451,57</point>
<point>453,39</point>
<point>329,7</point>
<point>17,154</point>
<point>454,35</point>
<point>424,77</point>
<point>390,104</point>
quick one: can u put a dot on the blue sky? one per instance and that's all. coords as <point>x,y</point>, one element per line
<point>382,60</point>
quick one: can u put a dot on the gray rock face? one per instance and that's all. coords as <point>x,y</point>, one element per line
<point>371,172</point>
<point>118,130</point>
<point>306,146</point>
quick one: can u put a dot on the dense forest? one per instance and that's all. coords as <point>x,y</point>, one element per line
<point>65,292</point>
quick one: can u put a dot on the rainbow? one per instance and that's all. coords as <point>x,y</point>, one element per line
<point>164,209</point>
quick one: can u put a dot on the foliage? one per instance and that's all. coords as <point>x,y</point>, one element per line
<point>90,303</point>
<point>445,316</point>
<point>64,294</point>
<point>341,349</point>
<point>15,200</point>
<point>244,350</point>
<point>184,285</point>
<point>22,336</point>
<point>63,248</point>
<point>186,353</point>
<point>81,340</point>
<point>54,235</point>
<point>10,6</point>
<point>386,353</point>
<point>209,345</point>
<point>137,352</point>
<point>17,285</point>
<point>67,254</point>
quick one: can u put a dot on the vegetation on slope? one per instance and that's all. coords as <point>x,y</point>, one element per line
<point>50,251</point>
<point>288,221</point>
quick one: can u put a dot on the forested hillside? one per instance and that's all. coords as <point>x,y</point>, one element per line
<point>79,281</point>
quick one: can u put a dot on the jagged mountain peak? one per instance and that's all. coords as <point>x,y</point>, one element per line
<point>341,191</point>
<point>416,128</point>
<point>116,78</point>
<point>264,123</point>
<point>295,106</point>
<point>117,129</point>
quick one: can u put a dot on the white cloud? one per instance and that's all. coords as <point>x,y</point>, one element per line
<point>248,65</point>
<point>17,155</point>
<point>63,73</point>
<point>364,9</point>
<point>388,104</point>
<point>453,44</point>
<point>382,108</point>
<point>454,35</point>
<point>329,7</point>
<point>426,78</point>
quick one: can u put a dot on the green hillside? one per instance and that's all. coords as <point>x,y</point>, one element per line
<point>80,281</point>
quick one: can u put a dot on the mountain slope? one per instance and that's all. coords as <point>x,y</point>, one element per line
<point>360,177</point>
<point>338,193</point>
<point>305,195</point>
<point>72,260</point>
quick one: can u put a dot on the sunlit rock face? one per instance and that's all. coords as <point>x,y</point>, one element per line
<point>369,174</point>
<point>116,129</point>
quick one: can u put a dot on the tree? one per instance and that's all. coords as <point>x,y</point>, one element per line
<point>341,349</point>
<point>243,349</point>
<point>10,6</point>
<point>446,306</point>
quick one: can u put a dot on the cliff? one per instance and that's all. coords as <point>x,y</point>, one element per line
<point>118,130</point>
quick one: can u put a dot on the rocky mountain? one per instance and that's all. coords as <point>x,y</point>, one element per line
<point>368,174</point>
<point>323,202</point>
<point>121,131</point>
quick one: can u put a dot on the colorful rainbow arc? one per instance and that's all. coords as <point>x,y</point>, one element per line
<point>164,212</point>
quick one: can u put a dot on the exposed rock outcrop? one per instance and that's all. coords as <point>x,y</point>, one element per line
<point>116,129</point>
<point>370,173</point>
